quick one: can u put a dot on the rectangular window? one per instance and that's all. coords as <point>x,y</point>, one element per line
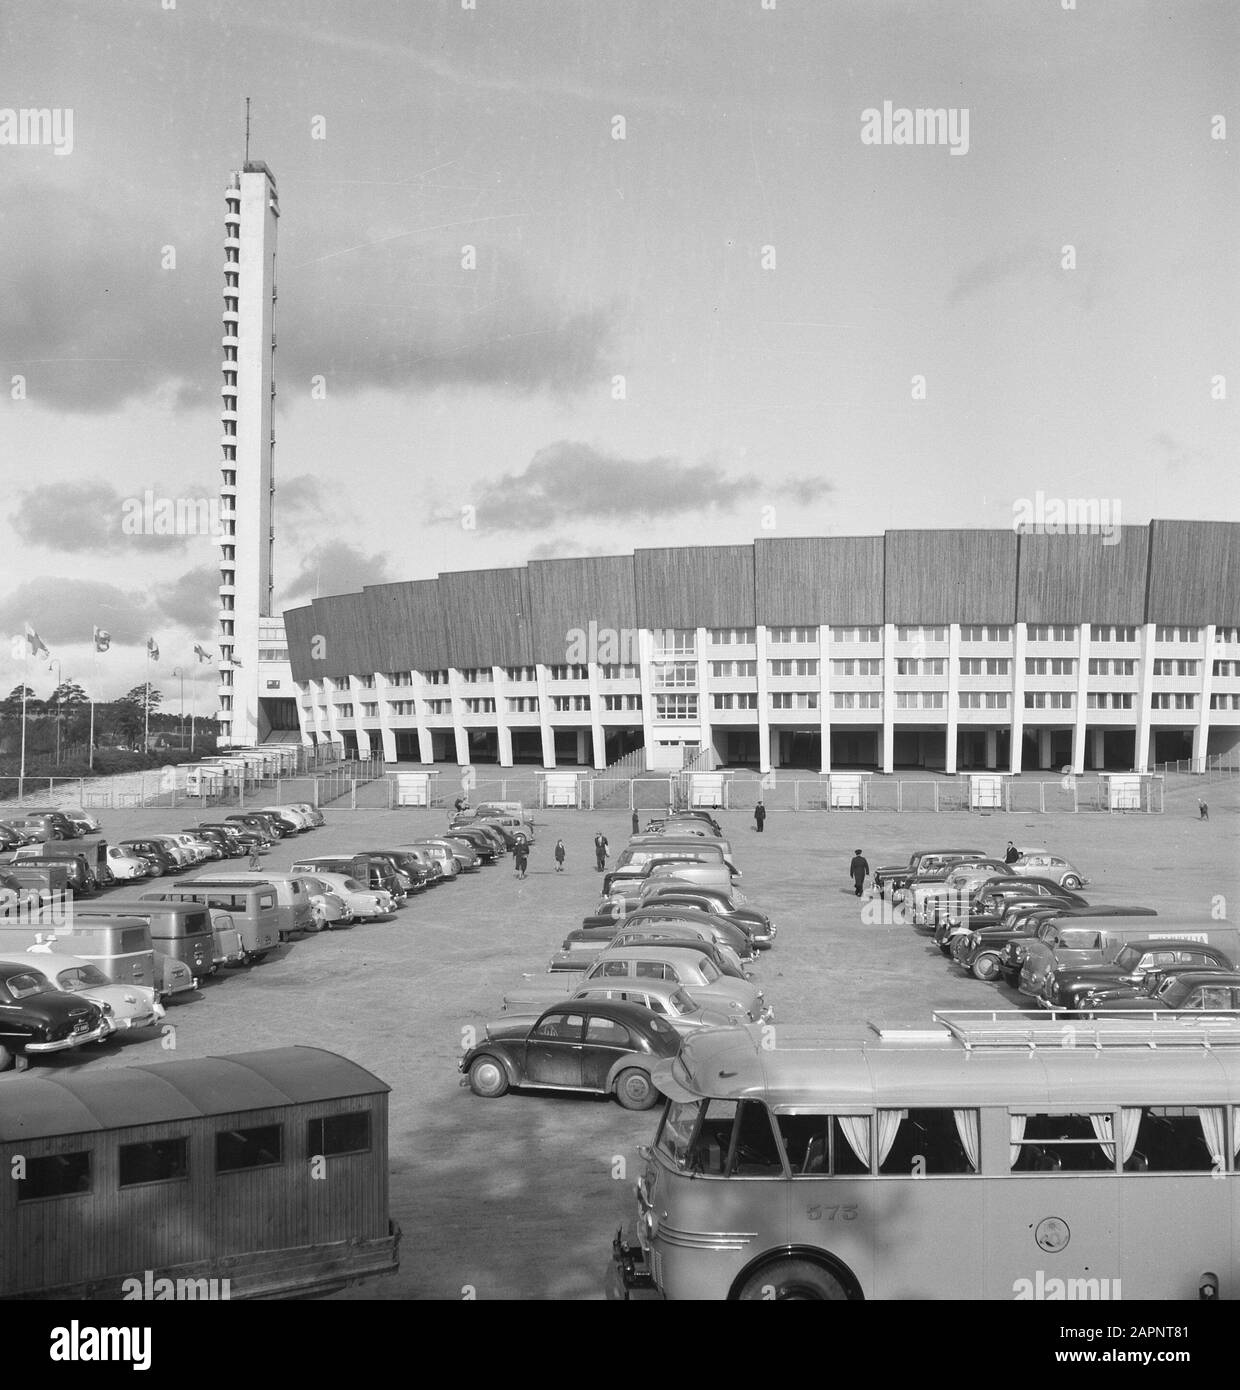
<point>676,707</point>
<point>794,699</point>
<point>439,706</point>
<point>733,670</point>
<point>618,673</point>
<point>621,702</point>
<point>792,634</point>
<point>60,1175</point>
<point>160,1160</point>
<point>528,704</point>
<point>399,677</point>
<point>339,1134</point>
<point>1074,1143</point>
<point>921,1143</point>
<point>407,708</point>
<point>483,705</point>
<point>974,633</point>
<point>790,667</point>
<point>238,1149</point>
<point>824,1146</point>
<point>855,634</point>
<point>738,701</point>
<point>732,636</point>
<point>869,699</point>
<point>521,673</point>
<point>843,699</point>
<point>436,677</point>
<point>673,642</point>
<point>675,675</point>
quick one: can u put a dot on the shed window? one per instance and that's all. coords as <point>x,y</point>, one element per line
<point>340,1134</point>
<point>160,1160</point>
<point>236,1149</point>
<point>60,1175</point>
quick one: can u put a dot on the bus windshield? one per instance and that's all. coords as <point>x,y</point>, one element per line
<point>676,1132</point>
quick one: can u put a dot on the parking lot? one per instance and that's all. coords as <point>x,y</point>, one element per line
<point>519,1197</point>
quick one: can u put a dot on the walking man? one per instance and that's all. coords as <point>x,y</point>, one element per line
<point>1203,811</point>
<point>858,869</point>
<point>520,855</point>
<point>559,856</point>
<point>759,815</point>
<point>636,823</point>
<point>600,851</point>
<point>1012,855</point>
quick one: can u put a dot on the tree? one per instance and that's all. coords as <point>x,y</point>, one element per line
<point>132,710</point>
<point>66,694</point>
<point>11,706</point>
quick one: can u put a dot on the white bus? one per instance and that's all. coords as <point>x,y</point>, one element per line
<point>994,1155</point>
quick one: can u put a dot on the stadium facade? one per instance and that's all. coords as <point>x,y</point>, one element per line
<point>953,649</point>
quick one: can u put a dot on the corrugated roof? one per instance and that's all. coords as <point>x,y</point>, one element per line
<point>36,1106</point>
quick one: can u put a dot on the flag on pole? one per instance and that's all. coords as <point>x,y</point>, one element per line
<point>103,639</point>
<point>201,652</point>
<point>152,650</point>
<point>37,644</point>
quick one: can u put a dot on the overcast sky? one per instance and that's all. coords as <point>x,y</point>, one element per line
<point>767,284</point>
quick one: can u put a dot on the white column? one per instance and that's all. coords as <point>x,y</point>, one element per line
<point>1145,686</point>
<point>824,695</point>
<point>1016,736</point>
<point>764,712</point>
<point>599,751</point>
<point>386,736</point>
<point>887,753</point>
<point>953,697</point>
<point>456,691</point>
<point>705,734</point>
<point>645,648</point>
<point>1080,701</point>
<point>544,716</point>
<point>1201,734</point>
<point>417,693</point>
<point>503,734</point>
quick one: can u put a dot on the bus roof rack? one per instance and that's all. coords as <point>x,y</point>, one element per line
<point>1053,1028</point>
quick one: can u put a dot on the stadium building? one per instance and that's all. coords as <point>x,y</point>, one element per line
<point>953,650</point>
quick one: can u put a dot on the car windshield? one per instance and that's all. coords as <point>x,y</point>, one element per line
<point>353,885</point>
<point>683,1003</point>
<point>79,977</point>
<point>25,985</point>
<point>710,972</point>
<point>1171,991</point>
<point>1129,958</point>
<point>676,1131</point>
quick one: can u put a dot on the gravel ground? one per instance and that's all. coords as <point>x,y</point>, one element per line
<point>520,1197</point>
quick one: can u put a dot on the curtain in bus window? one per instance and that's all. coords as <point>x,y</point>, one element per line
<point>1213,1128</point>
<point>1104,1132</point>
<point>856,1129</point>
<point>1016,1134</point>
<point>967,1128</point>
<point>889,1122</point>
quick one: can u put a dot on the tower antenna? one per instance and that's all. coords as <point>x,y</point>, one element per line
<point>247,130</point>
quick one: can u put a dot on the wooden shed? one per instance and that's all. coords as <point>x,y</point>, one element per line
<point>268,1169</point>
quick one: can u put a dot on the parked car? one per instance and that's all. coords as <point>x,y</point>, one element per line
<point>203,845</point>
<point>923,900</point>
<point>701,922</point>
<point>229,846</point>
<point>1008,908</point>
<point>79,867</point>
<point>762,931</point>
<point>256,825</point>
<point>277,826</point>
<point>331,909</point>
<point>662,997</point>
<point>980,952</point>
<point>920,861</point>
<point>1133,973</point>
<point>313,814</point>
<point>1185,991</point>
<point>365,904</point>
<point>414,870</point>
<point>295,820</point>
<point>594,1045</point>
<point>442,856</point>
<point>35,1017</point>
<point>488,845</point>
<point>12,838</point>
<point>154,853</point>
<point>1050,866</point>
<point>80,816</point>
<point>126,866</point>
<point>579,951</point>
<point>461,850</point>
<point>124,1007</point>
<point>376,875</point>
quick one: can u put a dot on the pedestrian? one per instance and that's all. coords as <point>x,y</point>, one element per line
<point>759,815</point>
<point>520,855</point>
<point>459,804</point>
<point>858,869</point>
<point>560,852</point>
<point>255,861</point>
<point>637,825</point>
<point>1203,811</point>
<point>600,851</point>
<point>1012,855</point>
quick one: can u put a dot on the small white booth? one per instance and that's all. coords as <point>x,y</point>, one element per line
<point>846,791</point>
<point>707,789</point>
<point>413,788</point>
<point>1121,790</point>
<point>561,789</point>
<point>986,791</point>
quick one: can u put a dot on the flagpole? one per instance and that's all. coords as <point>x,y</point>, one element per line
<point>146,705</point>
<point>21,776</point>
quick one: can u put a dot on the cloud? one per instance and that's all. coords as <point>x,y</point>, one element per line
<point>1172,454</point>
<point>565,548</point>
<point>64,611</point>
<point>1018,263</point>
<point>392,314</point>
<point>335,568</point>
<point>298,496</point>
<point>570,481</point>
<point>91,318</point>
<point>192,601</point>
<point>91,516</point>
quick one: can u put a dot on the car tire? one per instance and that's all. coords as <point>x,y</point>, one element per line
<point>1071,881</point>
<point>635,1090</point>
<point>985,967</point>
<point>487,1077</point>
<point>794,1280</point>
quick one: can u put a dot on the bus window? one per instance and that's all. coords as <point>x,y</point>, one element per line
<point>755,1152</point>
<point>1177,1139</point>
<point>676,1131</point>
<point>61,1175</point>
<point>931,1141</point>
<point>1062,1143</point>
<point>821,1146</point>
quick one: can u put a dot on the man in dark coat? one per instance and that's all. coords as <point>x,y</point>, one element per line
<point>759,815</point>
<point>600,851</point>
<point>636,824</point>
<point>858,869</point>
<point>1012,855</point>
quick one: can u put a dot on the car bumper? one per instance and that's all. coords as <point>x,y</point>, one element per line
<point>146,1020</point>
<point>65,1044</point>
<point>630,1275</point>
